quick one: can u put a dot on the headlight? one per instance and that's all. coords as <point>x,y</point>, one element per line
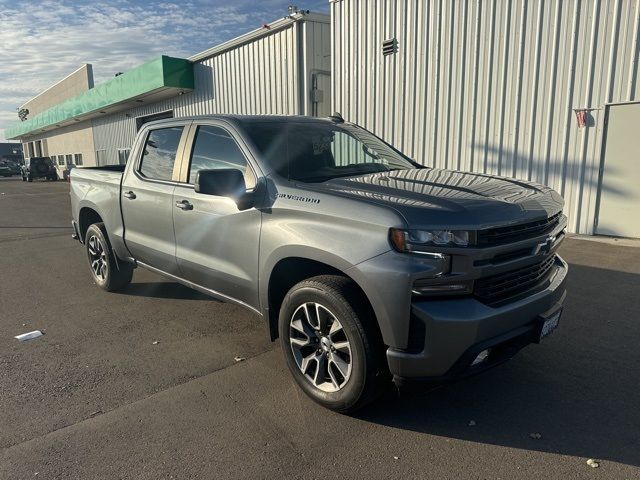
<point>420,240</point>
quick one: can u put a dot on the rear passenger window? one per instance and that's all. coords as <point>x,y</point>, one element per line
<point>215,148</point>
<point>160,153</point>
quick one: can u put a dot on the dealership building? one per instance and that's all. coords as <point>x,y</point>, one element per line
<point>541,91</point>
<point>281,68</point>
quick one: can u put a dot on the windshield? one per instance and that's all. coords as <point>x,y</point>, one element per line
<point>317,152</point>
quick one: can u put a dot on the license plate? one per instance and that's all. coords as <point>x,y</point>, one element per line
<point>549,325</point>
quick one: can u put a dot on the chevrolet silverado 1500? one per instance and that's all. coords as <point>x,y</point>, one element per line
<point>367,265</point>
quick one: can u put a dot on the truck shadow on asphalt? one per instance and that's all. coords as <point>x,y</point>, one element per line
<point>579,389</point>
<point>171,290</point>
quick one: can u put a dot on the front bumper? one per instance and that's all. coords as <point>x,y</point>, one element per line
<point>447,335</point>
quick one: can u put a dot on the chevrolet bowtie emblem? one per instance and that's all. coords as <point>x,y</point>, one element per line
<point>544,247</point>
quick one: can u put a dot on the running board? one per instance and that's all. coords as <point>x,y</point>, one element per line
<point>199,288</point>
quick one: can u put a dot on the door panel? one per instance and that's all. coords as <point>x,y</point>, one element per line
<point>148,220</point>
<point>147,200</point>
<point>217,244</point>
<point>619,212</point>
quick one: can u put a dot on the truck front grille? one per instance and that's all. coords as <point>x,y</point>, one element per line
<point>514,233</point>
<point>496,288</point>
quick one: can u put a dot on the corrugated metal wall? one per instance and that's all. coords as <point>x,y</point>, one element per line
<point>259,77</point>
<point>490,86</point>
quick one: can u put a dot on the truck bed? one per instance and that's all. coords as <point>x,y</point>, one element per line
<point>98,189</point>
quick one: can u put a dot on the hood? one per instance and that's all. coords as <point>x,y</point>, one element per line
<point>435,197</point>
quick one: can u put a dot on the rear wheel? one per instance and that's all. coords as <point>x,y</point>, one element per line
<point>108,274</point>
<point>331,343</point>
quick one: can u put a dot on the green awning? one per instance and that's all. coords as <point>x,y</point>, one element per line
<point>161,77</point>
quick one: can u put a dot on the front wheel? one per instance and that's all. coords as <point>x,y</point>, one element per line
<point>331,343</point>
<point>107,273</point>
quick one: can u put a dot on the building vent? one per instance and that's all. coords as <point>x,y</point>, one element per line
<point>389,47</point>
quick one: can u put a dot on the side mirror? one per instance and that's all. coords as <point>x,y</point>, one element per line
<point>225,182</point>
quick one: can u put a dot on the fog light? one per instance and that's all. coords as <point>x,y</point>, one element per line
<point>482,357</point>
<point>421,289</point>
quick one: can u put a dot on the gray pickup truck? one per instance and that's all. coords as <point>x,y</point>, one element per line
<point>367,266</point>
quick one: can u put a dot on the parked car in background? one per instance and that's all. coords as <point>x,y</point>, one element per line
<point>66,173</point>
<point>5,170</point>
<point>15,167</point>
<point>39,167</point>
<point>366,264</point>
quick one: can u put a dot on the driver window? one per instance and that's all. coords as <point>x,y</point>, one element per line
<point>215,148</point>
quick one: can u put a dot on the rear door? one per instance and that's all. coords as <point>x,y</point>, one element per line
<point>217,244</point>
<point>147,198</point>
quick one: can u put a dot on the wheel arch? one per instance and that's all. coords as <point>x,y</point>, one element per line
<point>287,270</point>
<point>87,216</point>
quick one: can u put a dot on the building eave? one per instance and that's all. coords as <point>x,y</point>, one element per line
<point>153,81</point>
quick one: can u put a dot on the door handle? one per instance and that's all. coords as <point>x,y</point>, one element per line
<point>184,205</point>
<point>130,195</point>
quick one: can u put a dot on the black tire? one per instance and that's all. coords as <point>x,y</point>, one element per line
<point>24,179</point>
<point>107,273</point>
<point>29,178</point>
<point>339,298</point>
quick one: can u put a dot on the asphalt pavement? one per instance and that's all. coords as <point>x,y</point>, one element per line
<point>146,383</point>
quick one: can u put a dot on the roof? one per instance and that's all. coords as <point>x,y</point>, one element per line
<point>245,119</point>
<point>153,81</point>
<point>265,30</point>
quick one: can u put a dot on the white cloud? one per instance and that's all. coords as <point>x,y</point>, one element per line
<point>43,41</point>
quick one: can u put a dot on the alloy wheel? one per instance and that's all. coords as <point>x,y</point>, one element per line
<point>97,258</point>
<point>320,347</point>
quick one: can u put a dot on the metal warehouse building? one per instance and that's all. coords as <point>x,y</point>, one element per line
<point>546,91</point>
<point>503,87</point>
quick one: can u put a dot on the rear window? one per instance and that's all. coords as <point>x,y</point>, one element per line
<point>159,154</point>
<point>41,160</point>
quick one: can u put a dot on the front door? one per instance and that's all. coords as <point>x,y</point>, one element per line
<point>217,244</point>
<point>147,200</point>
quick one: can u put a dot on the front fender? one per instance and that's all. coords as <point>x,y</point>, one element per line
<point>294,251</point>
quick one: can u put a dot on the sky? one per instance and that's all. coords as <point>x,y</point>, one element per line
<point>41,42</point>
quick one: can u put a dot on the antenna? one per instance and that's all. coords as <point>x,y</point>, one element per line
<point>336,118</point>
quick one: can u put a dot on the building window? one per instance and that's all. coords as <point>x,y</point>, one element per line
<point>60,159</point>
<point>123,155</point>
<point>101,157</point>
<point>69,159</point>
<point>78,158</point>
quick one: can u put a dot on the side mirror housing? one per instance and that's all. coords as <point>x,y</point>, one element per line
<point>225,182</point>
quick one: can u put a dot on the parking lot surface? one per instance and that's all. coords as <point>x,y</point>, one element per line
<point>145,383</point>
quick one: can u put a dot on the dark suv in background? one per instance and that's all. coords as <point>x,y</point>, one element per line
<point>39,167</point>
